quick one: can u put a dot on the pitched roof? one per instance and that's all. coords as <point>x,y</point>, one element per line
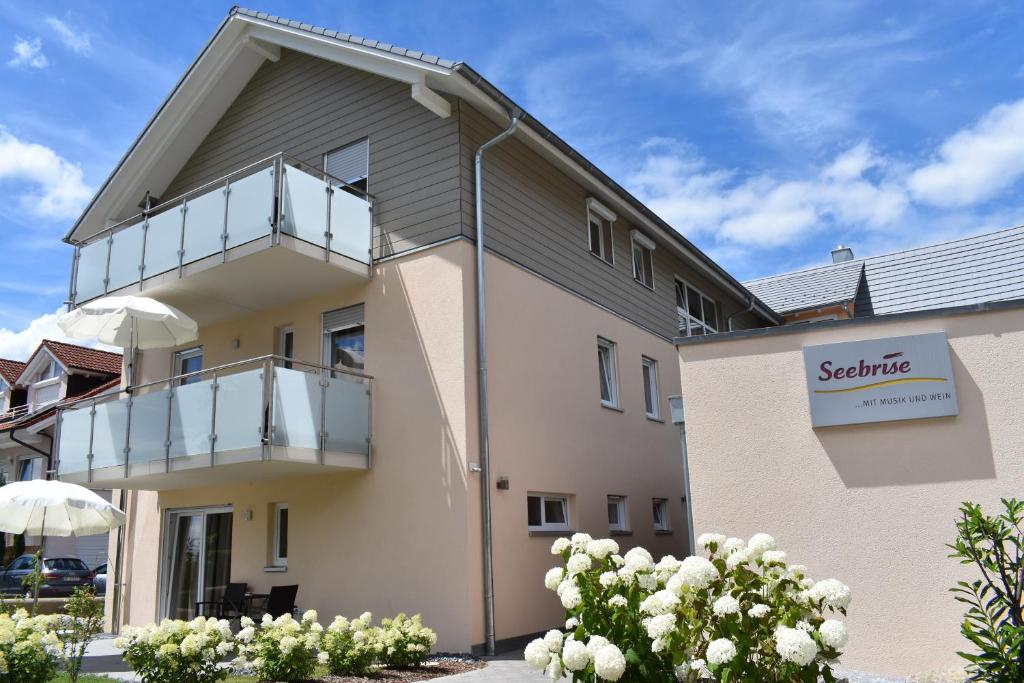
<point>808,289</point>
<point>29,419</point>
<point>75,357</point>
<point>978,269</point>
<point>10,370</point>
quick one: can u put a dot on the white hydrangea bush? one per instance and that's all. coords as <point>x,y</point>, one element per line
<point>29,647</point>
<point>281,649</point>
<point>176,650</point>
<point>740,613</point>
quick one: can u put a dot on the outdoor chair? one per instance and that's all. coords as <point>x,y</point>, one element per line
<point>230,606</point>
<point>280,600</point>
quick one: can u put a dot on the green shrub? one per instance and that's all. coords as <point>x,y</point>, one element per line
<point>352,647</point>
<point>174,651</point>
<point>994,621</point>
<point>405,641</point>
<point>28,648</point>
<point>81,621</point>
<point>281,649</point>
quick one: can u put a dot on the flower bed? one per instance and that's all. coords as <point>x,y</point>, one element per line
<point>739,614</point>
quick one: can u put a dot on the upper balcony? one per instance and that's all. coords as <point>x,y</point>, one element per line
<point>267,234</point>
<point>254,419</point>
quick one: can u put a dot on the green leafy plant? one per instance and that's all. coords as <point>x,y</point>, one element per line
<point>405,641</point>
<point>281,649</point>
<point>174,651</point>
<point>81,621</point>
<point>28,648</point>
<point>740,614</point>
<point>994,621</point>
<point>352,647</point>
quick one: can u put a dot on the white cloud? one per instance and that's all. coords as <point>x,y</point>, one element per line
<point>61,190</point>
<point>28,53</point>
<point>78,42</point>
<point>766,211</point>
<point>976,163</point>
<point>19,344</point>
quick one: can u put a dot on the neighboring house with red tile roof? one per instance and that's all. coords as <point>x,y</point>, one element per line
<point>55,374</point>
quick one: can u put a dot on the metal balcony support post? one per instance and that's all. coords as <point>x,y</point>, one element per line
<point>181,241</point>
<point>279,198</point>
<point>128,433</point>
<point>267,438</point>
<point>224,230</point>
<point>167,431</point>
<point>145,231</point>
<point>369,424</point>
<point>92,434</point>
<point>73,284</point>
<point>325,380</point>
<point>329,191</point>
<point>369,252</point>
<point>213,420</point>
<point>55,444</point>
<point>106,275</point>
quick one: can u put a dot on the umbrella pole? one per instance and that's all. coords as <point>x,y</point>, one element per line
<point>37,574</point>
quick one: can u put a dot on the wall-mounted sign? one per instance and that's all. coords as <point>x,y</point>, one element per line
<point>880,380</point>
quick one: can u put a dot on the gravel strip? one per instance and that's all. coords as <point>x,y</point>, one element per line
<point>435,667</point>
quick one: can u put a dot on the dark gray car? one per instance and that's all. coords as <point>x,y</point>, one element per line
<point>61,575</point>
<point>99,582</point>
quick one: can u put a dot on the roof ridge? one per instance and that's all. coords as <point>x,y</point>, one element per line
<point>80,346</point>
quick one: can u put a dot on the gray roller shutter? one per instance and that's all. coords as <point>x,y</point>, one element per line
<point>350,163</point>
<point>343,317</point>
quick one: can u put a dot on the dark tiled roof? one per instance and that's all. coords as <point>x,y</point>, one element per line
<point>979,269</point>
<point>83,358</point>
<point>11,370</point>
<point>347,37</point>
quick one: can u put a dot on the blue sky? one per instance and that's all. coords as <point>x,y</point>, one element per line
<point>765,132</point>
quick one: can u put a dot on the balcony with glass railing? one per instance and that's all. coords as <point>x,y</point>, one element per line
<point>256,419</point>
<point>224,240</point>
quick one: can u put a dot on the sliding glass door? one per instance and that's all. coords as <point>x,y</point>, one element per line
<point>196,562</point>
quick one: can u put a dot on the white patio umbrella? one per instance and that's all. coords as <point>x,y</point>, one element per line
<point>131,322</point>
<point>41,507</point>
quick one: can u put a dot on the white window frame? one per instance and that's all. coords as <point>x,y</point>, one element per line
<point>688,321</point>
<point>544,524</point>
<point>602,214</point>
<point>612,370</point>
<point>650,366</point>
<point>282,334</point>
<point>178,356</point>
<point>666,519</point>
<point>640,241</point>
<point>276,559</point>
<point>620,502</point>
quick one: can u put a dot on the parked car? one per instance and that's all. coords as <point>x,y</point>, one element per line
<point>99,581</point>
<point>60,577</point>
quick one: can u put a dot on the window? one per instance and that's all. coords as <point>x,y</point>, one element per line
<point>599,230</point>
<point>345,338</point>
<point>661,520</point>
<point>618,519</point>
<point>652,402</point>
<point>187,361</point>
<point>25,470</point>
<point>698,314</point>
<point>643,259</point>
<point>51,371</point>
<point>607,374</point>
<point>350,164</point>
<point>280,558</point>
<point>547,513</point>
<point>286,344</point>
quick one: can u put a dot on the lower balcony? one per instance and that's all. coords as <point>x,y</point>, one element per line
<point>256,419</point>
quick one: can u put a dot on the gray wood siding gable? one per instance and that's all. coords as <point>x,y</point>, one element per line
<point>536,216</point>
<point>305,107</point>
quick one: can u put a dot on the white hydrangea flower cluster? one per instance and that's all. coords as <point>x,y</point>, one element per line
<point>174,649</point>
<point>724,609</point>
<point>29,646</point>
<point>281,646</point>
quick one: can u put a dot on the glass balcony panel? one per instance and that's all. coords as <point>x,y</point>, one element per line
<point>163,240</point>
<point>125,257</point>
<point>239,410</point>
<point>204,224</point>
<point>108,443</point>
<point>305,206</point>
<point>347,408</point>
<point>250,205</point>
<point>74,440</point>
<point>351,221</point>
<point>92,269</point>
<point>297,403</point>
<point>149,427</point>
<point>191,412</point>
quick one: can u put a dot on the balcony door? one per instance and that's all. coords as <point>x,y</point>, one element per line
<point>196,562</point>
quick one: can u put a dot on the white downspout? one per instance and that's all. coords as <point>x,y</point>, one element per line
<point>481,352</point>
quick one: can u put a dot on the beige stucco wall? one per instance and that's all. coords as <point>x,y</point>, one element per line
<point>550,434</point>
<point>406,535</point>
<point>872,505</point>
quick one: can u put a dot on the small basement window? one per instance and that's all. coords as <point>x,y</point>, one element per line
<point>547,512</point>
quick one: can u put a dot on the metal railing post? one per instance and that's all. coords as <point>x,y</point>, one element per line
<point>73,285</point>
<point>167,431</point>
<point>142,256</point>
<point>279,199</point>
<point>325,380</point>
<point>181,242</point>
<point>369,253</point>
<point>369,423</point>
<point>106,273</point>
<point>128,433</point>
<point>267,438</point>
<point>92,434</point>
<point>224,230</point>
<point>55,444</point>
<point>329,191</point>
<point>213,420</point>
